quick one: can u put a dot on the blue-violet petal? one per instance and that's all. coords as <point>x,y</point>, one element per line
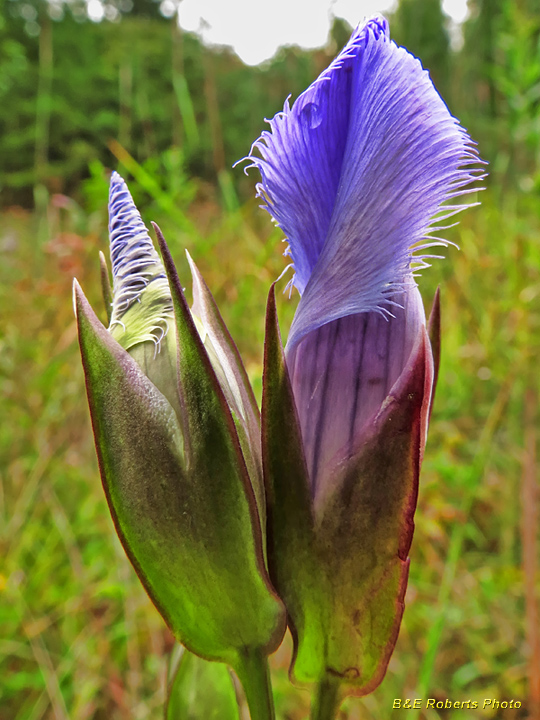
<point>138,274</point>
<point>342,373</point>
<point>355,173</point>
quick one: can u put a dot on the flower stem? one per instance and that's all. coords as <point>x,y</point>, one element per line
<point>254,675</point>
<point>326,703</point>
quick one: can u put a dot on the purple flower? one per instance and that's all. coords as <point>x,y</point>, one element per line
<point>177,435</point>
<point>360,173</point>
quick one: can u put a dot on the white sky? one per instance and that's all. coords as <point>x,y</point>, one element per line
<point>256,28</point>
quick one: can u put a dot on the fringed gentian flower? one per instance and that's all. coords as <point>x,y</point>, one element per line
<point>177,436</point>
<point>359,173</point>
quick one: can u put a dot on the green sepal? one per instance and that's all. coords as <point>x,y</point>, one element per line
<point>201,690</point>
<point>233,379</point>
<point>181,507</point>
<point>341,565</point>
<point>291,533</point>
<point>251,614</point>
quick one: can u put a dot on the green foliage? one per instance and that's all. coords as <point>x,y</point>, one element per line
<point>421,27</point>
<point>498,86</point>
<point>80,93</point>
<point>77,87</point>
<point>479,53</point>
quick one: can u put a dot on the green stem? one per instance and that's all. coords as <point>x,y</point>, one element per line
<point>327,700</point>
<point>254,674</point>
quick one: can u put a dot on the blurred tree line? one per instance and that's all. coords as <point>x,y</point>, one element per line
<point>76,94</point>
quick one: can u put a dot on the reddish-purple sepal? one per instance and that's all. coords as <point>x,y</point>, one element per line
<point>434,333</point>
<point>340,562</point>
<point>364,531</point>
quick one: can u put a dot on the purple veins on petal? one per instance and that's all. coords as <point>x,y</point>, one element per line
<point>357,173</point>
<point>341,375</point>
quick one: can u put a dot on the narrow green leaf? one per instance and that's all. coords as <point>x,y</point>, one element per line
<point>187,111</point>
<point>201,690</point>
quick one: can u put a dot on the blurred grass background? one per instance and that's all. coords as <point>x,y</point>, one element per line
<point>78,637</point>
